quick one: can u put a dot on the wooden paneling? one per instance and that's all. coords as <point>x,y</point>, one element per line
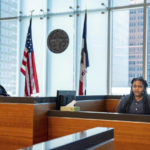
<point>107,105</point>
<point>16,126</point>
<point>128,135</point>
<point>22,125</point>
<point>91,105</point>
<point>52,106</point>
<point>40,129</point>
<point>111,105</point>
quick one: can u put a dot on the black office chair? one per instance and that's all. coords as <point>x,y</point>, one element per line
<point>3,91</point>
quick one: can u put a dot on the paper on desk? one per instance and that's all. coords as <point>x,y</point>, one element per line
<point>71,104</point>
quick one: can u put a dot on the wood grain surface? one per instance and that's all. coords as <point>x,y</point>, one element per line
<point>128,135</point>
<point>111,105</point>
<point>107,105</point>
<point>91,105</point>
<point>16,126</point>
<point>22,125</point>
<point>40,128</point>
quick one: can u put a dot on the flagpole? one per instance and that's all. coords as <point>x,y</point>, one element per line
<point>28,68</point>
<point>86,70</point>
<point>86,25</point>
<point>84,63</point>
<point>31,13</point>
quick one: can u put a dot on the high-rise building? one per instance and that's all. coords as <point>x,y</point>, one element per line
<point>135,43</point>
<point>8,45</point>
<point>148,46</point>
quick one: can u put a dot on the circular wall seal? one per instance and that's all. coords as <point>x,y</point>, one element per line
<point>57,41</point>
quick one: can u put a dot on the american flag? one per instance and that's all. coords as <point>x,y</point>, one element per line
<point>84,61</point>
<point>28,68</point>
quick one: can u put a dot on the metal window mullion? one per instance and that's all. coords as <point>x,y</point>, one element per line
<point>127,7</point>
<point>75,51</point>
<point>53,14</point>
<point>144,43</point>
<point>109,86</point>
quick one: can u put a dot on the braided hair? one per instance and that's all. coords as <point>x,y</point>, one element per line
<point>145,96</point>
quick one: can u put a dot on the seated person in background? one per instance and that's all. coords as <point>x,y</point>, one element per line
<point>138,102</point>
<point>3,91</point>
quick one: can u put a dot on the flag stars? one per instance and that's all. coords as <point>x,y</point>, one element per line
<point>31,84</point>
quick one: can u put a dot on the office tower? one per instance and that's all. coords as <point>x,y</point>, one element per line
<point>8,45</point>
<point>135,43</point>
<point>148,46</point>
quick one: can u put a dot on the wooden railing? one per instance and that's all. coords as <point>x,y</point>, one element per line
<point>131,132</point>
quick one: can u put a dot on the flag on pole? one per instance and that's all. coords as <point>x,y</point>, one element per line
<point>28,68</point>
<point>84,61</point>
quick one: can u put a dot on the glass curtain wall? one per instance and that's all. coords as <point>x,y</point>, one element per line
<point>61,71</point>
<point>64,69</point>
<point>9,32</point>
<point>129,43</point>
<point>117,40</point>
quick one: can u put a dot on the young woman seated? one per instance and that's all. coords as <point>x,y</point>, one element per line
<point>138,102</point>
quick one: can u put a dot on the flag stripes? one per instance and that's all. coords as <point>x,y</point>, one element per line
<point>84,61</point>
<point>28,68</point>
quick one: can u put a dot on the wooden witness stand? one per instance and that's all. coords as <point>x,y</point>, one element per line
<point>128,135</point>
<point>27,121</point>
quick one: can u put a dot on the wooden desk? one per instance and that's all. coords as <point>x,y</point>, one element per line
<point>131,132</point>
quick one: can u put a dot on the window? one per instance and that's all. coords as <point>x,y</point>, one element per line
<point>9,44</point>
<point>119,41</point>
<point>125,45</point>
<point>116,3</point>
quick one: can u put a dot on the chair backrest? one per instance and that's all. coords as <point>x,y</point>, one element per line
<point>64,97</point>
